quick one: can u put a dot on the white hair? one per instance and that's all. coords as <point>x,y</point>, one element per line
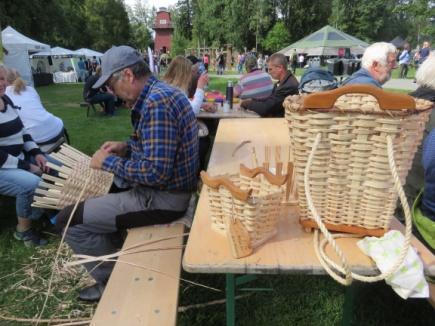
<point>377,52</point>
<point>425,75</point>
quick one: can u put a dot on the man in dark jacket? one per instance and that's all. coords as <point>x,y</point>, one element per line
<point>95,96</point>
<point>271,106</point>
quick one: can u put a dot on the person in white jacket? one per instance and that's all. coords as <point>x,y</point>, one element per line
<point>45,128</point>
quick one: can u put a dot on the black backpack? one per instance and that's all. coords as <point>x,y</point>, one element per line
<point>317,80</point>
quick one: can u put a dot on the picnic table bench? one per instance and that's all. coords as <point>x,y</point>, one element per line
<point>143,287</point>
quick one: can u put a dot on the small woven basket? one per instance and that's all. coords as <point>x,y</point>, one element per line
<point>253,196</point>
<point>352,150</point>
<point>74,174</point>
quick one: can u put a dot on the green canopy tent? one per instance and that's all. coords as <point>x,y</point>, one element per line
<point>326,41</point>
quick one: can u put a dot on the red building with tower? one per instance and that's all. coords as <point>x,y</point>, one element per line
<point>163,28</point>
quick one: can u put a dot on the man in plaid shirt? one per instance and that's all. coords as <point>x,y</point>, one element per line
<point>156,168</point>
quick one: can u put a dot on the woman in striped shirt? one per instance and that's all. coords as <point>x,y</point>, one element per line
<point>19,177</point>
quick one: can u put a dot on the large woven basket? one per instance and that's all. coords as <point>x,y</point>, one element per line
<point>253,196</point>
<point>350,179</point>
<point>74,177</point>
<point>352,148</point>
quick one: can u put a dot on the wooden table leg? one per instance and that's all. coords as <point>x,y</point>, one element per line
<point>230,292</point>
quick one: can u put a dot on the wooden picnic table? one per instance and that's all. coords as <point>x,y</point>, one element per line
<point>291,250</point>
<point>235,113</point>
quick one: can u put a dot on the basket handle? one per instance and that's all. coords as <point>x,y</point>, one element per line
<point>328,264</point>
<point>216,182</point>
<point>277,180</point>
<point>386,100</point>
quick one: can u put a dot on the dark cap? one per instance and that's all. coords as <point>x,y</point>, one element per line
<point>116,59</point>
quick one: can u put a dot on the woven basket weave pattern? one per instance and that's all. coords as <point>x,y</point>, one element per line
<point>259,214</point>
<point>98,185</point>
<point>350,178</point>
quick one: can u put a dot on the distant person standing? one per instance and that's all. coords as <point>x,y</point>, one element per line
<point>260,62</point>
<point>82,70</point>
<point>424,52</point>
<point>294,61</point>
<point>206,61</point>
<point>301,60</point>
<point>220,60</point>
<point>404,59</point>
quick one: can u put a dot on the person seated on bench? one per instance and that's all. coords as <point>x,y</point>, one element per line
<point>378,60</point>
<point>156,168</point>
<point>19,177</point>
<point>423,166</point>
<point>99,95</point>
<point>181,74</point>
<point>255,84</point>
<point>271,106</point>
<point>46,129</point>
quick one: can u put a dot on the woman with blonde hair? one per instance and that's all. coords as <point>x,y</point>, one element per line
<point>19,177</point>
<point>45,128</point>
<point>183,75</point>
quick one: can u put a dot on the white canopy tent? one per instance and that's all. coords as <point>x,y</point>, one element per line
<point>18,48</point>
<point>57,60</point>
<point>88,53</point>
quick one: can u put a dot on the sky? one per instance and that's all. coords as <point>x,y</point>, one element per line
<point>155,3</point>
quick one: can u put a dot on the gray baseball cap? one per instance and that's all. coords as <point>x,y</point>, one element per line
<point>116,59</point>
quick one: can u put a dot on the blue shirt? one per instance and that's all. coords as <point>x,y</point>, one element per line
<point>428,160</point>
<point>163,150</point>
<point>361,76</point>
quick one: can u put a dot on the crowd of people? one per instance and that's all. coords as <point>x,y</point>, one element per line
<point>156,169</point>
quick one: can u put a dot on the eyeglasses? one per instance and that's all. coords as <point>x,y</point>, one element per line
<point>112,80</point>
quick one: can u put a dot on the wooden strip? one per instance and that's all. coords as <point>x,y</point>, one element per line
<point>45,200</point>
<point>41,205</point>
<point>49,186</point>
<point>216,182</point>
<point>311,224</point>
<point>271,178</point>
<point>51,194</point>
<point>64,159</point>
<point>386,100</point>
<point>136,297</point>
<point>62,169</point>
<point>54,179</point>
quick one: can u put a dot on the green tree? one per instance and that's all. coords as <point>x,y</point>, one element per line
<point>303,17</point>
<point>421,15</point>
<point>141,23</point>
<point>370,20</point>
<point>277,38</point>
<point>108,22</point>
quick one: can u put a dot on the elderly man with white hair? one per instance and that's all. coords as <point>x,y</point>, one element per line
<point>377,62</point>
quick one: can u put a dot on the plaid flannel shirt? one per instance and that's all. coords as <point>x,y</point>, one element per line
<point>163,150</point>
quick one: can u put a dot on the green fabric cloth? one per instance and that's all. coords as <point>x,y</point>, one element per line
<point>424,225</point>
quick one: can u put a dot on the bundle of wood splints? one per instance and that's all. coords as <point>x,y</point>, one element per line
<point>57,192</point>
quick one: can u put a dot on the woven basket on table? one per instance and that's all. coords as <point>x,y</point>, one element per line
<point>57,192</point>
<point>348,145</point>
<point>253,196</point>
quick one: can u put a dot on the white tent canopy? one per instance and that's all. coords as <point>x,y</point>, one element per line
<point>88,53</point>
<point>57,52</point>
<point>18,48</point>
<point>58,60</point>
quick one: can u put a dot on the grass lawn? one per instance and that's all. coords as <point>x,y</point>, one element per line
<point>295,300</point>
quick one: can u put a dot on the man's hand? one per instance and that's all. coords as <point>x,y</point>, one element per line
<point>244,104</point>
<point>115,147</point>
<point>35,169</point>
<point>41,162</point>
<point>98,158</point>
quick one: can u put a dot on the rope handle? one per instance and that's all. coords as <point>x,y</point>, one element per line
<point>216,182</point>
<point>277,180</point>
<point>330,266</point>
<point>386,100</point>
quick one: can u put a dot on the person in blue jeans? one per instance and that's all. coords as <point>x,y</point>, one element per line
<point>99,95</point>
<point>19,177</point>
